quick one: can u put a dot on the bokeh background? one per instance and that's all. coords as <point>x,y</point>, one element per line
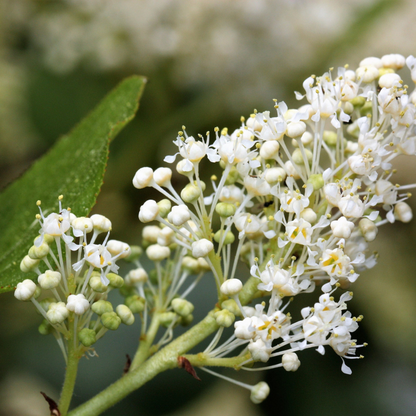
<point>208,62</point>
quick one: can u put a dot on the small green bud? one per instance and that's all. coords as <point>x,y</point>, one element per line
<point>164,207</point>
<point>110,320</point>
<point>367,108</point>
<point>135,253</point>
<point>316,180</point>
<point>229,238</point>
<point>102,306</point>
<point>38,253</point>
<point>116,281</point>
<point>358,101</point>
<point>125,314</point>
<point>136,303</point>
<point>225,209</point>
<point>153,276</point>
<point>190,193</point>
<point>224,318</point>
<point>44,303</point>
<point>167,318</point>
<point>47,238</point>
<point>45,328</point>
<point>348,108</point>
<point>96,284</point>
<point>187,320</point>
<point>87,337</point>
<point>190,264</point>
<point>182,307</point>
<point>232,176</point>
<point>231,306</point>
<point>330,138</point>
<point>298,158</point>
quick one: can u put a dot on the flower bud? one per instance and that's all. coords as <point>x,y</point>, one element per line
<point>57,313</point>
<point>96,283</point>
<point>164,207</point>
<point>101,223</point>
<point>167,318</point>
<point>87,337</point>
<point>308,214</point>
<point>83,224</point>
<point>225,209</point>
<point>179,215</point>
<point>148,211</point>
<point>162,176</point>
<point>316,180</point>
<point>342,228</point>
<point>291,170</point>
<point>202,248</point>
<point>253,123</point>
<point>231,287</point>
<point>45,328</point>
<point>403,212</point>
<point>269,149</point>
<point>182,168</point>
<point>275,175</point>
<point>290,361</point>
<point>224,318</point>
<point>330,138</point>
<point>137,276</point>
<point>191,265</point>
<point>110,320</point>
<point>388,80</point>
<point>28,264</point>
<point>368,229</point>
<point>295,129</point>
<point>394,61</point>
<point>135,303</point>
<point>203,264</point>
<point>233,176</point>
<point>367,73</point>
<point>125,314</point>
<point>45,303</point>
<point>77,304</point>
<point>49,279</point>
<point>156,252</point>
<point>259,392</point>
<point>116,281</point>
<point>229,238</point>
<point>182,307</point>
<point>190,193</point>
<point>259,351</point>
<point>231,305</point>
<point>118,248</point>
<point>102,306</point>
<point>298,157</point>
<point>143,178</point>
<point>25,290</point>
<point>166,237</point>
<point>186,320</point>
<point>38,253</point>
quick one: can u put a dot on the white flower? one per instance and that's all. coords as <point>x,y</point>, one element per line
<point>336,263</point>
<point>351,206</point>
<point>299,231</point>
<point>77,304</point>
<point>118,248</point>
<point>25,290</point>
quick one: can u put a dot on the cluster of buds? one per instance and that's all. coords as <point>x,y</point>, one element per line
<point>75,275</point>
<point>301,193</point>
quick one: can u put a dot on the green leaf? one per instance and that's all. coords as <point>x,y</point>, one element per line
<point>74,168</point>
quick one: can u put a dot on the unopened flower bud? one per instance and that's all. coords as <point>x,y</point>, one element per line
<point>116,281</point>
<point>164,207</point>
<point>259,392</point>
<point>118,248</point>
<point>394,61</point>
<point>45,328</point>
<point>148,211</point>
<point>259,351</point>
<point>342,228</point>
<point>186,320</point>
<point>49,279</point>
<point>269,149</point>
<point>77,304</point>
<point>25,290</point>
<point>101,223</point>
<point>135,303</point>
<point>295,129</point>
<point>308,214</point>
<point>37,253</point>
<point>275,175</point>
<point>167,318</point>
<point>330,137</point>
<point>190,193</point>
<point>388,80</point>
<point>225,209</point>
<point>143,178</point>
<point>291,170</point>
<point>231,287</point>
<point>96,283</point>
<point>166,237</point>
<point>151,233</point>
<point>162,176</point>
<point>290,361</point>
<point>179,215</point>
<point>110,320</point>
<point>57,313</point>
<point>125,314</point>
<point>203,264</point>
<point>102,306</point>
<point>224,318</point>
<point>137,276</point>
<point>202,248</point>
<point>403,212</point>
<point>368,229</point>
<point>367,73</point>
<point>156,252</point>
<point>83,224</point>
<point>316,180</point>
<point>87,337</point>
<point>28,264</point>
<point>229,238</point>
<point>182,168</point>
<point>253,123</point>
<point>182,307</point>
<point>231,305</point>
<point>45,303</point>
<point>297,156</point>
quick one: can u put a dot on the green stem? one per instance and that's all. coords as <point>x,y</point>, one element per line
<point>202,360</point>
<point>146,341</point>
<point>165,359</point>
<point>74,356</point>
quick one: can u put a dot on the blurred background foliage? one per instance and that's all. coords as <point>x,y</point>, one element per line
<point>208,62</point>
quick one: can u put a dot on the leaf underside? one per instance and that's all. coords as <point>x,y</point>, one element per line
<point>74,168</point>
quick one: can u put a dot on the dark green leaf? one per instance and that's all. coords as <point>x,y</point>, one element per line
<point>74,167</point>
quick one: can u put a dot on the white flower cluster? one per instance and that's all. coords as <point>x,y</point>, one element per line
<point>79,273</point>
<point>303,192</point>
